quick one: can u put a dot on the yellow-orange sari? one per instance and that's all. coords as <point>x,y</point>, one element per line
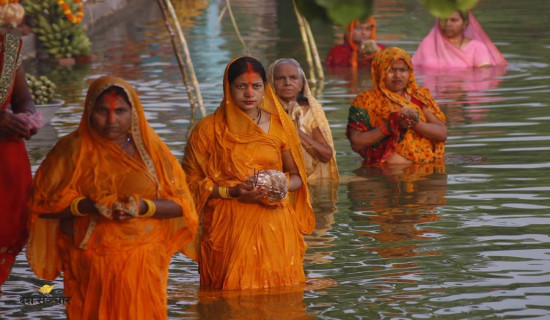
<point>112,269</point>
<point>372,108</point>
<point>244,245</point>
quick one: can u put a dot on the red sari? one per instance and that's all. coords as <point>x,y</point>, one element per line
<point>15,168</point>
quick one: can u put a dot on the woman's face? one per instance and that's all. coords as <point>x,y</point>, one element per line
<point>248,91</point>
<point>287,81</point>
<point>397,78</point>
<point>111,116</point>
<point>453,26</point>
<point>362,32</point>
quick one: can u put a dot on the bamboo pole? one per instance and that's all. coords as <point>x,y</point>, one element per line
<point>187,57</point>
<point>314,51</point>
<point>312,77</point>
<point>245,47</point>
<point>178,56</point>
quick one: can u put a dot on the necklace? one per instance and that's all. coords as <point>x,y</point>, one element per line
<point>258,117</point>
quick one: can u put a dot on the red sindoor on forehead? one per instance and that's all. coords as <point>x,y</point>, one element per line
<point>111,97</point>
<point>250,77</point>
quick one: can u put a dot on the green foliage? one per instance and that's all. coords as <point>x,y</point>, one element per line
<point>59,37</point>
<point>339,12</point>
<point>42,89</point>
<point>444,8</point>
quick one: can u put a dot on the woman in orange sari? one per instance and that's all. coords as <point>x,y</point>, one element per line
<point>396,122</point>
<point>359,47</point>
<point>249,239</point>
<point>109,208</point>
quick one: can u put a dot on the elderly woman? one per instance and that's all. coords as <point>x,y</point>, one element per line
<point>290,84</point>
<point>396,122</point>
<point>251,235</point>
<point>457,41</point>
<point>109,207</point>
<point>359,47</point>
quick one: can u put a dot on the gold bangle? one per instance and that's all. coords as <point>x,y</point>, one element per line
<point>224,192</point>
<point>151,209</point>
<point>74,207</point>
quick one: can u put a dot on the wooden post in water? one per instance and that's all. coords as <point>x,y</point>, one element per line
<point>166,5</point>
<point>315,71</point>
<point>301,25</point>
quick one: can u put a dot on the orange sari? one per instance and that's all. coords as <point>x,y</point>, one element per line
<point>112,269</point>
<point>372,108</point>
<point>244,245</point>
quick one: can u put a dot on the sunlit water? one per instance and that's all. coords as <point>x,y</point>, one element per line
<point>468,240</point>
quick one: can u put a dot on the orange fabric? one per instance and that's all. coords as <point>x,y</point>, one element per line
<point>379,102</point>
<point>120,269</point>
<point>348,38</point>
<point>246,245</point>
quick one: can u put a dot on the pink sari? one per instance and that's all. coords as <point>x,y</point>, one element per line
<point>437,52</point>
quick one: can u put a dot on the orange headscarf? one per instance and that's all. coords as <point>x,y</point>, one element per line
<point>380,102</point>
<point>348,38</point>
<point>233,126</point>
<point>84,155</point>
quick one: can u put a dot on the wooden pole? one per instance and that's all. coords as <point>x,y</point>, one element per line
<point>178,56</point>
<point>245,47</point>
<point>187,57</point>
<point>314,51</point>
<point>312,77</point>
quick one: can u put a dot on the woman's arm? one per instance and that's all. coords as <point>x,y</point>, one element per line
<point>21,100</point>
<point>290,166</point>
<point>163,209</point>
<point>360,140</point>
<point>316,145</point>
<point>433,128</point>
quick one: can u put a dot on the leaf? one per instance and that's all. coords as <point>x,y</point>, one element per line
<point>444,8</point>
<point>335,11</point>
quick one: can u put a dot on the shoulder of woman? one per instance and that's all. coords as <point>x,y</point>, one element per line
<point>362,97</point>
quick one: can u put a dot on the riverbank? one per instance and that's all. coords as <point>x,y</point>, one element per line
<point>97,18</point>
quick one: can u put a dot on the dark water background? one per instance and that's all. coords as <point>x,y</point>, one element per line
<point>467,240</point>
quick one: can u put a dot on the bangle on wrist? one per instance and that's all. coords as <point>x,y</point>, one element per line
<point>151,209</point>
<point>384,129</point>
<point>224,193</point>
<point>74,207</point>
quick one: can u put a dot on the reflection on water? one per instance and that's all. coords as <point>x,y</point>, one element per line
<point>396,201</point>
<point>466,241</point>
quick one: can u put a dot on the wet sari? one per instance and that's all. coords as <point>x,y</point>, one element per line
<point>246,245</point>
<point>111,269</point>
<point>15,167</point>
<point>374,107</point>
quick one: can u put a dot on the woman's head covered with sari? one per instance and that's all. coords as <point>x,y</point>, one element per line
<point>437,52</point>
<point>84,160</point>
<point>383,104</point>
<point>306,96</point>
<point>233,126</point>
<point>349,38</point>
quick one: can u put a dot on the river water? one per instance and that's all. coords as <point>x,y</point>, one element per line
<point>466,240</point>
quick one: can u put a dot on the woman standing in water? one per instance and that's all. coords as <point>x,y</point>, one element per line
<point>236,161</point>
